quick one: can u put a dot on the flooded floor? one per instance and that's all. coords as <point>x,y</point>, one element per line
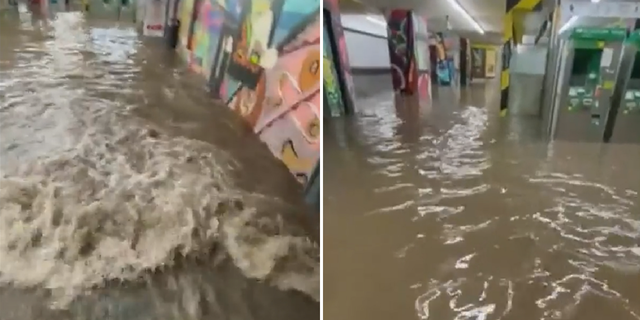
<point>455,213</point>
<point>127,193</point>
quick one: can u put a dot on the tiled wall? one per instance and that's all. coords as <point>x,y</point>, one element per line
<point>262,57</point>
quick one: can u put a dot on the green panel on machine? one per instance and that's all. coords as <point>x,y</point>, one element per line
<point>599,34</point>
<point>589,70</point>
<point>585,71</point>
<point>631,99</point>
<point>634,38</point>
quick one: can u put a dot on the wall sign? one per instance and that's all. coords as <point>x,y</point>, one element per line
<point>154,18</point>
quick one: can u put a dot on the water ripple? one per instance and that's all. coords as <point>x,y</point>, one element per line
<point>480,224</point>
<point>98,185</point>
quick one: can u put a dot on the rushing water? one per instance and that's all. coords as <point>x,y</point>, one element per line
<point>126,193</point>
<point>454,213</point>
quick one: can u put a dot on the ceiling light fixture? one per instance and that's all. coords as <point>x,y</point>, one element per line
<point>377,21</point>
<point>467,16</point>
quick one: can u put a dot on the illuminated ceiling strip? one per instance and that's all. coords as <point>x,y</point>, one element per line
<point>568,25</point>
<point>467,16</point>
<point>572,21</point>
<point>377,21</point>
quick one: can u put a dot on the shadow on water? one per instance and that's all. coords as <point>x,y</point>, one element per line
<point>128,194</point>
<point>451,212</point>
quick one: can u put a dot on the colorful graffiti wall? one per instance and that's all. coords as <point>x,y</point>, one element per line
<point>421,50</point>
<point>262,58</point>
<point>402,30</point>
<point>445,68</point>
<point>337,75</point>
<point>333,97</point>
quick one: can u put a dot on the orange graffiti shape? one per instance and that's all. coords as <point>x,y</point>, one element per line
<point>241,55</point>
<point>296,94</point>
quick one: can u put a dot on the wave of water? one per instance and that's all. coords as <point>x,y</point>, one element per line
<point>89,194</point>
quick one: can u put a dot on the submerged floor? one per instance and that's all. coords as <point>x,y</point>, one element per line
<point>455,213</point>
<point>126,193</point>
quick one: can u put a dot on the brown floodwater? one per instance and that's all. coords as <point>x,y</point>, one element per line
<point>127,193</point>
<point>452,212</point>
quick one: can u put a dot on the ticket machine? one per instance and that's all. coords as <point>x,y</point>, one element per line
<point>589,66</point>
<point>625,124</point>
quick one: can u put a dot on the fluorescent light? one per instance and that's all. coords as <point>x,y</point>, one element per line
<point>467,16</point>
<point>595,1</point>
<point>377,21</point>
<point>568,25</point>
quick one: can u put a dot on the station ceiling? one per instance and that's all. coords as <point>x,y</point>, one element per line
<point>487,13</point>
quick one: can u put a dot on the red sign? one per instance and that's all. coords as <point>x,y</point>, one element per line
<point>155,27</point>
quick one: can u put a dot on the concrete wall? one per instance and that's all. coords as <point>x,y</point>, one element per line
<point>366,38</point>
<point>262,58</point>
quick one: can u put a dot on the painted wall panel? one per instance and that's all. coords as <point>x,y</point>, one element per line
<point>333,98</point>
<point>341,61</point>
<point>262,58</point>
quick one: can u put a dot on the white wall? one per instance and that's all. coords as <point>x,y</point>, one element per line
<point>366,51</point>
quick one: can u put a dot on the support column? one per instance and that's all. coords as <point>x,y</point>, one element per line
<point>409,60</point>
<point>465,62</point>
<point>339,93</point>
<point>509,40</point>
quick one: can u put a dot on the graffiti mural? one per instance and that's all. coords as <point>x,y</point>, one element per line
<point>398,32</point>
<point>406,33</point>
<point>445,68</point>
<point>332,22</point>
<point>400,41</point>
<point>333,102</point>
<point>262,58</point>
<point>421,50</point>
<point>185,15</point>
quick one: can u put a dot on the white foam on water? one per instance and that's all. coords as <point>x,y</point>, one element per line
<point>89,193</point>
<point>115,207</point>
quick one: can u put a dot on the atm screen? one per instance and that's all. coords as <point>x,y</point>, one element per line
<point>585,61</point>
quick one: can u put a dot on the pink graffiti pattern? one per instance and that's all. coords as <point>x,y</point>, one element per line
<point>284,106</point>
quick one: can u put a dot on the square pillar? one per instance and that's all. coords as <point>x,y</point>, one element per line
<point>339,93</point>
<point>409,61</point>
<point>509,40</point>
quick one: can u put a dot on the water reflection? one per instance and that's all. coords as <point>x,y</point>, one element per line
<point>458,214</point>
